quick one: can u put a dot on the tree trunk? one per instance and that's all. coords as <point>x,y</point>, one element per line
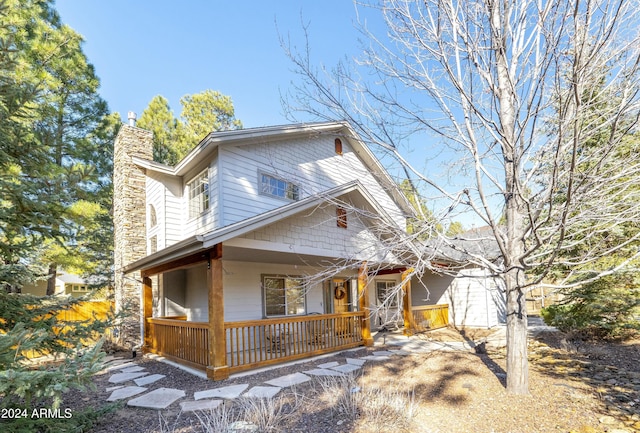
<point>517,360</point>
<point>51,281</point>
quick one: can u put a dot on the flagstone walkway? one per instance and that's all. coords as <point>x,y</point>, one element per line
<point>131,381</point>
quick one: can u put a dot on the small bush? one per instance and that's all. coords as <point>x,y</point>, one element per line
<point>608,308</point>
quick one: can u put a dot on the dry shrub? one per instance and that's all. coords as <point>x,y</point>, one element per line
<point>255,415</point>
<point>370,408</point>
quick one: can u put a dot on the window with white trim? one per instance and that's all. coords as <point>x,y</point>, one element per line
<point>198,190</point>
<point>283,296</point>
<point>275,187</point>
<point>385,291</point>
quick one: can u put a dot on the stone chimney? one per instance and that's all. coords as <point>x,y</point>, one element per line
<point>129,220</point>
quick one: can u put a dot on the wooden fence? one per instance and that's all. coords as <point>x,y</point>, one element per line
<point>88,310</point>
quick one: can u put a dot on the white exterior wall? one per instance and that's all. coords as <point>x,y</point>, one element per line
<point>243,298</point>
<point>474,299</point>
<point>234,195</point>
<point>155,197</point>
<point>209,219</point>
<point>165,194</point>
<point>173,211</point>
<point>316,233</point>
<point>312,164</point>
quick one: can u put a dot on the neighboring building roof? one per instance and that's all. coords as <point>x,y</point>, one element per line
<point>237,137</point>
<point>198,243</point>
<point>477,242</point>
<point>70,278</point>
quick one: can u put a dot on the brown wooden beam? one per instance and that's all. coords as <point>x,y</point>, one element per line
<point>406,303</point>
<point>389,271</point>
<point>147,309</point>
<point>184,262</point>
<point>217,368</point>
<point>363,297</point>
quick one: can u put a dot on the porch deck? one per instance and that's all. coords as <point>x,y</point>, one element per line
<point>258,343</point>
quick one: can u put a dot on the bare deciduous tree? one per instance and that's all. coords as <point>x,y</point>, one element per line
<point>536,98</point>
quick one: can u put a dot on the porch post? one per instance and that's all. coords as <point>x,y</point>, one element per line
<point>363,297</point>
<point>147,311</point>
<point>409,326</point>
<point>217,368</point>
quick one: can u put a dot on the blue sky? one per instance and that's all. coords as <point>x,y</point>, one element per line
<point>145,48</point>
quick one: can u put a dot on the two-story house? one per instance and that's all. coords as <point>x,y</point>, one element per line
<point>261,245</point>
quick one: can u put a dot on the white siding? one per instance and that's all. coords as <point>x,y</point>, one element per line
<point>316,233</point>
<point>209,220</point>
<point>243,288</point>
<point>312,164</point>
<point>173,211</point>
<point>474,300</point>
<point>196,298</point>
<point>155,197</point>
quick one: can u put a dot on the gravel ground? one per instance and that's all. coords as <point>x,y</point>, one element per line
<point>573,388</point>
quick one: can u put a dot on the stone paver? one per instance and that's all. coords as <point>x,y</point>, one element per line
<point>135,369</point>
<point>125,377</point>
<point>126,392</point>
<point>323,372</point>
<point>146,380</point>
<point>401,352</point>
<point>228,392</point>
<point>289,380</point>
<point>160,398</point>
<point>376,358</point>
<point>119,366</point>
<point>262,392</point>
<point>356,361</point>
<point>382,353</point>
<point>113,388</point>
<point>192,406</point>
<point>328,364</point>
<point>346,368</point>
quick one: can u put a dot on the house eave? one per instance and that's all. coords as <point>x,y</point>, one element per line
<point>176,251</point>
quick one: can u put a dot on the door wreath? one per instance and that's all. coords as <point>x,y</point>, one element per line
<point>340,292</point>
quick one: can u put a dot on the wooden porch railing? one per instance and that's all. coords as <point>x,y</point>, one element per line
<point>427,317</point>
<point>179,340</point>
<point>257,343</point>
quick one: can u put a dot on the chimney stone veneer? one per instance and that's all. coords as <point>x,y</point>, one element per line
<point>129,220</point>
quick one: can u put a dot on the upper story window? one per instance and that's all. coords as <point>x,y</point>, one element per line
<point>153,219</point>
<point>270,185</point>
<point>198,193</point>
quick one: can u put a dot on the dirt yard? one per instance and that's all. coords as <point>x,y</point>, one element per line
<point>574,387</point>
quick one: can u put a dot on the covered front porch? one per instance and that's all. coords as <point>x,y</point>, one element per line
<point>224,319</point>
<point>217,332</point>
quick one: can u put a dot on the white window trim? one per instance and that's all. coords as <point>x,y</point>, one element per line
<point>288,183</point>
<point>389,284</point>
<point>264,295</point>
<point>203,205</point>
